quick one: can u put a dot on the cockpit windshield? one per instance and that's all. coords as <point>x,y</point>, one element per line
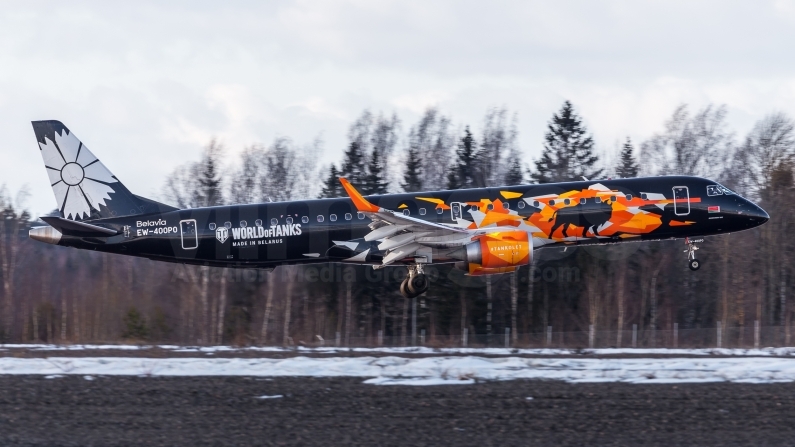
<point>718,190</point>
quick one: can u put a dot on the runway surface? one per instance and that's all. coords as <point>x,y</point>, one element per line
<point>128,410</point>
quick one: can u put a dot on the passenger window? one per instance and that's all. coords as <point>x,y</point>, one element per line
<point>258,222</point>
<point>332,217</point>
<point>598,200</point>
<point>304,219</point>
<point>274,222</point>
<point>491,206</point>
<point>520,205</point>
<point>567,202</point>
<point>406,212</point>
<point>227,225</point>
<point>320,218</point>
<point>644,196</point>
<point>552,203</point>
<point>422,211</point>
<point>348,216</point>
<point>612,198</point>
<point>629,197</point>
<point>212,225</point>
<point>439,211</point>
<point>289,221</point>
<point>536,203</point>
<point>360,215</point>
<point>505,205</point>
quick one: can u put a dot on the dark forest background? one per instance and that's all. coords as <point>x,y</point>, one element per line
<point>636,293</point>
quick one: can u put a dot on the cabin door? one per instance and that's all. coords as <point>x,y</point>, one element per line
<point>681,200</point>
<point>190,237</point>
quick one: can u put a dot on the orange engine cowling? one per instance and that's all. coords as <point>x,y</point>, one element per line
<point>498,252</point>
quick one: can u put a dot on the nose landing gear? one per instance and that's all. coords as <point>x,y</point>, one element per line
<point>692,262</point>
<point>416,283</point>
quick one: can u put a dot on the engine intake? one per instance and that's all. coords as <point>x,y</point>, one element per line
<point>498,252</point>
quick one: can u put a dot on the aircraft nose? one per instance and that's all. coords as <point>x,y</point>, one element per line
<point>757,214</point>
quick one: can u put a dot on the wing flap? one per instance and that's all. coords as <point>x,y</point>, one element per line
<point>403,235</point>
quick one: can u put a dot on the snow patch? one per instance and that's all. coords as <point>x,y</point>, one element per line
<point>763,352</point>
<point>441,369</point>
<point>417,381</point>
<point>276,396</point>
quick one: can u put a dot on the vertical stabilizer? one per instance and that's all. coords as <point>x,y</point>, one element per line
<point>84,188</point>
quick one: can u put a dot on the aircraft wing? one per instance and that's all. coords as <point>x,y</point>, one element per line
<point>402,236</point>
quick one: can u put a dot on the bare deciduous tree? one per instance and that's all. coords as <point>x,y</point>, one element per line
<point>690,145</point>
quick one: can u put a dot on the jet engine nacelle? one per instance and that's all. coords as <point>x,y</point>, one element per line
<point>497,252</point>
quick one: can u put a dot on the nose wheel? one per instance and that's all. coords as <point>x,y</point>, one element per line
<point>693,263</point>
<point>416,283</point>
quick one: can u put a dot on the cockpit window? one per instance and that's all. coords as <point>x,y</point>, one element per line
<point>717,190</point>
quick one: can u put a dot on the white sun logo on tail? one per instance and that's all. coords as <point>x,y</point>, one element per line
<point>78,179</point>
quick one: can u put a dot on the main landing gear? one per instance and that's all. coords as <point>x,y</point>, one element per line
<point>416,283</point>
<point>692,262</point>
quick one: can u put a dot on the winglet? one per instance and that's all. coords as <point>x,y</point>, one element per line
<point>359,201</point>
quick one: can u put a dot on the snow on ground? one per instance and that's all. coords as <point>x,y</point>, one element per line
<point>426,370</point>
<point>763,352</point>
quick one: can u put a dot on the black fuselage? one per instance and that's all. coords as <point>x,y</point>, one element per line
<point>310,231</point>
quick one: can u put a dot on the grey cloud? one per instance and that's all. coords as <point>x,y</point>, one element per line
<point>149,81</point>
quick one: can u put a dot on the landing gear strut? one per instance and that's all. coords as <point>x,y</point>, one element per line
<point>415,284</point>
<point>692,262</point>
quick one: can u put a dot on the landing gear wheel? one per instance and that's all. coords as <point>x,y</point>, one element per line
<point>418,284</point>
<point>404,289</point>
<point>692,262</point>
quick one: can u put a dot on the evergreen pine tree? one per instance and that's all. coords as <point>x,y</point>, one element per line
<point>208,177</point>
<point>514,175</point>
<point>134,325</point>
<point>332,186</point>
<point>353,165</point>
<point>374,181</point>
<point>412,176</point>
<point>462,173</point>
<point>628,167</point>
<point>568,151</point>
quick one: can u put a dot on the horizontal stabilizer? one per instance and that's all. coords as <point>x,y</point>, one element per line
<point>76,228</point>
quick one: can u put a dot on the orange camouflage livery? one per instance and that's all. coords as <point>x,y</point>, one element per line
<point>594,212</point>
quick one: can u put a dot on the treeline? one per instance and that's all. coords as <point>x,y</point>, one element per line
<point>56,294</point>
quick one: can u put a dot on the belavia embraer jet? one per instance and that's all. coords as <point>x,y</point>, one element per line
<point>482,231</point>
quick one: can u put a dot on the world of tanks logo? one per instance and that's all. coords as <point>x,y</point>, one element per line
<point>222,234</point>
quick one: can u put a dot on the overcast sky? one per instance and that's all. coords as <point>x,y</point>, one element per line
<point>146,85</point>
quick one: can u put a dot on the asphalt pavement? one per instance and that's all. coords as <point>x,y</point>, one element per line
<point>121,411</point>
